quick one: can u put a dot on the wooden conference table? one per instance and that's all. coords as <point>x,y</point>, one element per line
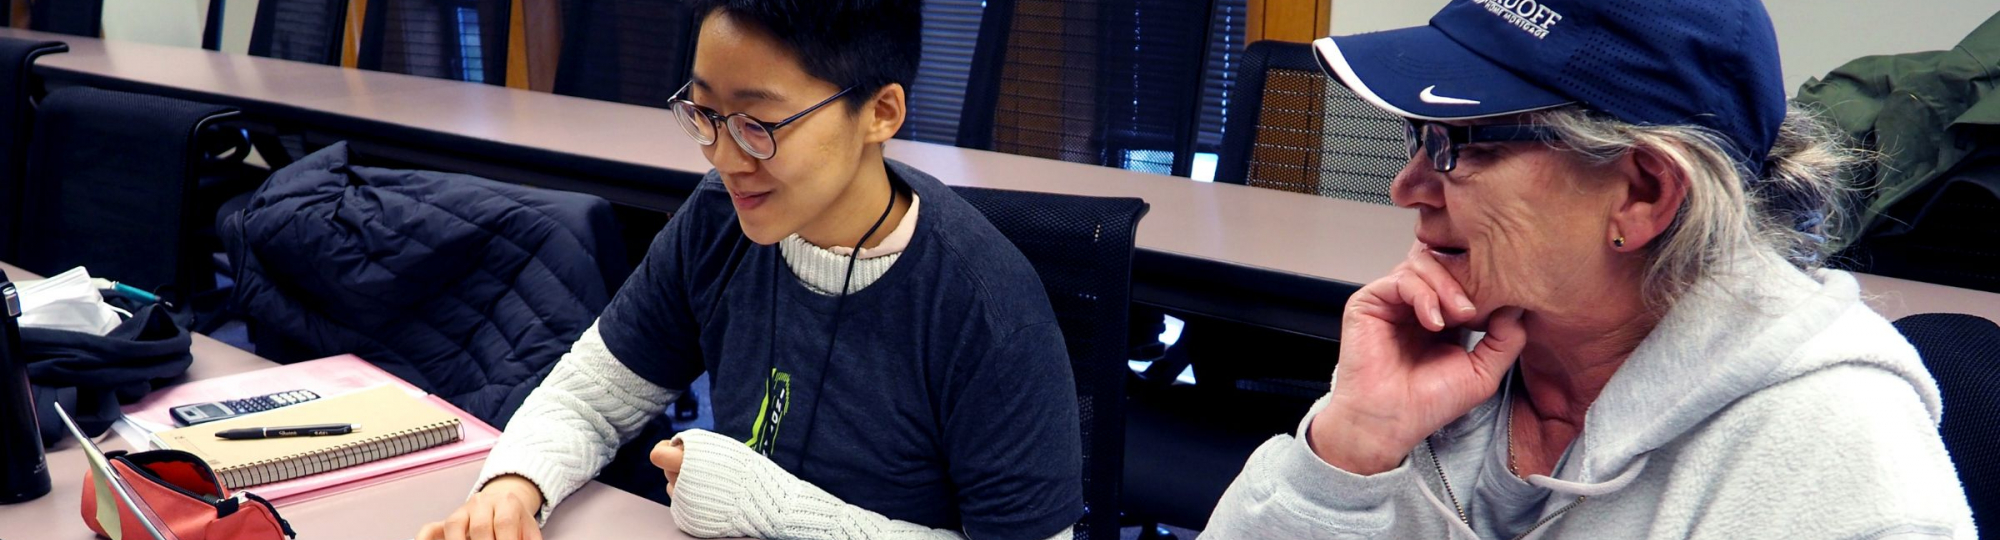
<point>388,511</point>
<point>1280,260</point>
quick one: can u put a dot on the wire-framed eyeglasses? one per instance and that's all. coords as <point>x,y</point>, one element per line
<point>1440,141</point>
<point>757,137</point>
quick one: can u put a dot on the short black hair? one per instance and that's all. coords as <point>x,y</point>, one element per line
<point>866,44</point>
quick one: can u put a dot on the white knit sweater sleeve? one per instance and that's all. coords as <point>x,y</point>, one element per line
<point>725,489</point>
<point>572,425</point>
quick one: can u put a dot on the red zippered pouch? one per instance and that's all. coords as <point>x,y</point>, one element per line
<point>188,497</point>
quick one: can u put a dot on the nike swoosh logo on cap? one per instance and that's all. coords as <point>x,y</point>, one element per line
<point>1428,97</point>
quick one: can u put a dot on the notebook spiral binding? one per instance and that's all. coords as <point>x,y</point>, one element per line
<point>383,446</point>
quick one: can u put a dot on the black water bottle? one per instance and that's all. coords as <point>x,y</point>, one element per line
<point>24,471</point>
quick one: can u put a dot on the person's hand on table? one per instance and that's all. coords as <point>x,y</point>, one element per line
<point>708,513</point>
<point>503,510</point>
<point>667,456</point>
<point>1404,372</point>
<point>712,495</point>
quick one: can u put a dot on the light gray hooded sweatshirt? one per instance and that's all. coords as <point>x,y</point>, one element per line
<point>1768,403</point>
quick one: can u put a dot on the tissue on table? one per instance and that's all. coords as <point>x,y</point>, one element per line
<point>68,301</point>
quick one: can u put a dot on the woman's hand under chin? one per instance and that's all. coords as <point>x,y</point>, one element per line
<point>1403,372</point>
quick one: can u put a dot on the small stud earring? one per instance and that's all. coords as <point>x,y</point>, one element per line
<point>1618,242</point>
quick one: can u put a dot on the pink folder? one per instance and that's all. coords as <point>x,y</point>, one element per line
<point>328,377</point>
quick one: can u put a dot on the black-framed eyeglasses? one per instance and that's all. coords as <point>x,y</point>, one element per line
<point>757,137</point>
<point>1440,141</point>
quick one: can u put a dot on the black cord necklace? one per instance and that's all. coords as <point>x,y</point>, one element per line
<point>833,333</point>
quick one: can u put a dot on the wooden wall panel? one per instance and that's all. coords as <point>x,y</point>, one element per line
<point>350,47</point>
<point>517,45</point>
<point>544,22</point>
<point>1289,20</point>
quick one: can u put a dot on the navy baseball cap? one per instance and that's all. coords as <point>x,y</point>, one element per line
<point>1711,63</point>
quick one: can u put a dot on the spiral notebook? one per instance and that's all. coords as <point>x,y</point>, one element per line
<point>392,424</point>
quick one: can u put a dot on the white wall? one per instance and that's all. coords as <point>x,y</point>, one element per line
<point>237,17</point>
<point>177,22</point>
<point>1814,36</point>
<point>163,22</point>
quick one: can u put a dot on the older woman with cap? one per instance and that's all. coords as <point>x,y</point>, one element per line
<point>1618,195</point>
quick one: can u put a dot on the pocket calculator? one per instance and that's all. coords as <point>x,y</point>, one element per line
<point>200,413</point>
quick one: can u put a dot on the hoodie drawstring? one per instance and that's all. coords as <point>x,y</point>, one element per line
<point>1630,474</point>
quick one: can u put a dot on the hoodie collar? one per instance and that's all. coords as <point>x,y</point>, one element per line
<point>1746,328</point>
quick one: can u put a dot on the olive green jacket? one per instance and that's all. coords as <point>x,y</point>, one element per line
<point>1925,112</point>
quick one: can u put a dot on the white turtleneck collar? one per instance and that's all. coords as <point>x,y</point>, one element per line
<point>822,269</point>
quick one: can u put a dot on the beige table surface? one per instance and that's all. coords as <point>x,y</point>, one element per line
<point>1305,235</point>
<point>1320,239</point>
<point>393,511</point>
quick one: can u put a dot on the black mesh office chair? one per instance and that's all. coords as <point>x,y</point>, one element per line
<point>1104,82</point>
<point>1963,354</point>
<point>311,31</point>
<point>18,86</point>
<point>628,51</point>
<point>1082,249</point>
<point>74,17</point>
<point>299,30</point>
<point>1293,128</point>
<point>462,40</point>
<point>109,177</point>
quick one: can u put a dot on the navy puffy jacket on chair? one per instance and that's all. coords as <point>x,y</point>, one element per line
<point>466,287</point>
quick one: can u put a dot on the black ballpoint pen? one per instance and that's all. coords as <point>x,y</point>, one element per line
<point>287,431</point>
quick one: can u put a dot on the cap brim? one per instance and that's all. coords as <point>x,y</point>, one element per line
<point>1421,73</point>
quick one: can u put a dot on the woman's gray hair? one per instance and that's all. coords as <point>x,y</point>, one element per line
<point>1796,210</point>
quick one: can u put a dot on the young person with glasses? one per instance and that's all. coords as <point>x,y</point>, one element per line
<point>884,363</point>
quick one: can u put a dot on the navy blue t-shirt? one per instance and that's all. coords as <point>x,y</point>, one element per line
<point>948,400</point>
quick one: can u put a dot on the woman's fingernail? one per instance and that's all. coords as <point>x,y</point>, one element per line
<point>1465,304</point>
<point>1437,316</point>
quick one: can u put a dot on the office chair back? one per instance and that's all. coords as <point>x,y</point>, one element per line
<point>1082,249</point>
<point>463,40</point>
<point>18,86</point>
<point>74,17</point>
<point>299,30</point>
<point>1103,82</point>
<point>109,177</point>
<point>1293,128</point>
<point>1963,354</point>
<point>628,51</point>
